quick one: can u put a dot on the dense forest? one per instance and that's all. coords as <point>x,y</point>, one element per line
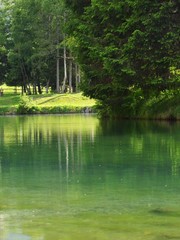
<point>125,53</point>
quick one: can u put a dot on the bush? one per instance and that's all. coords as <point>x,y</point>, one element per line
<point>163,106</point>
<point>26,106</point>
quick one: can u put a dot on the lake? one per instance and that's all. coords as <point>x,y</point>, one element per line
<point>65,177</point>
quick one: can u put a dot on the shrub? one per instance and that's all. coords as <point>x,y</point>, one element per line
<point>26,105</point>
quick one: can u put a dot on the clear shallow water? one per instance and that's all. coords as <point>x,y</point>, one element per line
<point>74,177</point>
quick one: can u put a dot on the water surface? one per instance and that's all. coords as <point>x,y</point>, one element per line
<point>74,177</point>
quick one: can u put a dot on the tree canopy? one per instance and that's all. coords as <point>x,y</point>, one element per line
<point>127,49</point>
<point>34,33</point>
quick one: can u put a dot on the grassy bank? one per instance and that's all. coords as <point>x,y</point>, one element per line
<point>11,103</point>
<point>165,106</point>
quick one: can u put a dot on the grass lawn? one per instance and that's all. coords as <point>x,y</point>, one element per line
<point>62,103</point>
<point>73,100</point>
<point>9,103</point>
<point>45,103</point>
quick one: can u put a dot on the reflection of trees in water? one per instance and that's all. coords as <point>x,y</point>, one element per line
<point>37,145</point>
<point>142,143</point>
<point>70,147</point>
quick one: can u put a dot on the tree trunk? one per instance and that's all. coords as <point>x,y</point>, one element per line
<point>22,89</point>
<point>65,59</point>
<point>34,89</point>
<point>57,71</point>
<point>65,70</point>
<point>70,74</point>
<point>57,59</point>
<point>27,88</point>
<point>47,86</point>
<point>77,76</point>
<point>39,88</point>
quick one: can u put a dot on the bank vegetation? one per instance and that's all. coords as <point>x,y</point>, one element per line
<point>124,54</point>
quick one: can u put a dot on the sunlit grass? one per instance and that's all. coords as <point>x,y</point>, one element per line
<point>45,103</point>
<point>74,100</point>
<point>9,103</point>
<point>10,89</point>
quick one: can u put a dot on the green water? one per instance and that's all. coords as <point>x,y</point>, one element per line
<point>75,177</point>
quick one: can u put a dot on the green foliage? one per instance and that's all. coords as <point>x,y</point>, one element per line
<point>26,106</point>
<point>164,106</point>
<point>77,5</point>
<point>3,64</point>
<point>3,47</point>
<point>126,49</point>
<point>60,109</point>
<point>31,33</point>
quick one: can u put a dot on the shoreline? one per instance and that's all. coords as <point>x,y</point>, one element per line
<point>135,118</point>
<point>10,105</point>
